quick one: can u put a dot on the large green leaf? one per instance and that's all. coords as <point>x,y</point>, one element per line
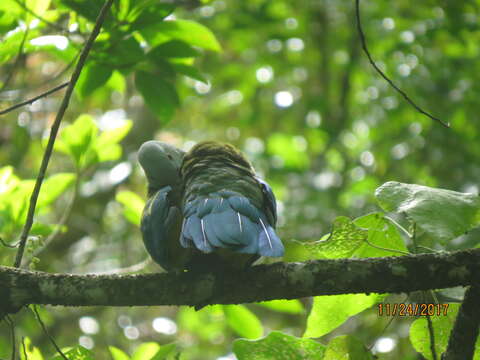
<point>329,312</point>
<point>278,346</point>
<point>346,347</point>
<point>383,239</point>
<point>185,30</point>
<point>443,214</point>
<point>243,321</point>
<point>160,96</point>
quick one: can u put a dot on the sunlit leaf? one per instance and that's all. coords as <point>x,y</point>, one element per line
<point>174,49</point>
<point>243,321</point>
<point>165,351</point>
<point>384,238</point>
<point>53,187</point>
<point>118,354</point>
<point>31,352</point>
<point>329,312</point>
<point>77,139</point>
<point>133,206</point>
<point>278,346</point>
<point>145,351</point>
<point>345,238</point>
<point>285,306</point>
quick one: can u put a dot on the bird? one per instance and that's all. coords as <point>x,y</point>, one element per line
<point>162,216</point>
<point>227,209</point>
<point>206,209</point>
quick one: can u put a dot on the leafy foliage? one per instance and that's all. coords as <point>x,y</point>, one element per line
<point>289,87</point>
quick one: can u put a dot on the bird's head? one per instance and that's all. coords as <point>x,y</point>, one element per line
<point>161,163</point>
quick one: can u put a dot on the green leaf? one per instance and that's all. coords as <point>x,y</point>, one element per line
<point>118,354</point>
<point>346,347</point>
<point>145,351</point>
<point>384,238</point>
<point>160,96</point>
<point>107,147</point>
<point>284,306</point>
<point>442,326</point>
<point>185,30</point>
<point>190,71</point>
<point>31,352</point>
<point>174,49</point>
<point>345,238</point>
<point>329,312</point>
<point>77,139</point>
<point>207,324</point>
<point>443,214</point>
<point>278,346</point>
<point>115,135</point>
<point>92,77</point>
<point>77,353</point>
<point>38,7</point>
<point>164,351</point>
<point>243,321</point>
<point>133,206</point>
<point>53,187</point>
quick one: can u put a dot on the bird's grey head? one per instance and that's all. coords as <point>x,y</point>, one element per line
<point>161,163</point>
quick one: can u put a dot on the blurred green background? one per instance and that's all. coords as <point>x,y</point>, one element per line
<point>284,81</point>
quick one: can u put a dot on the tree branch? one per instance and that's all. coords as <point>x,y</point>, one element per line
<point>461,344</point>
<point>259,283</point>
<point>54,130</point>
<point>382,74</point>
<point>32,100</point>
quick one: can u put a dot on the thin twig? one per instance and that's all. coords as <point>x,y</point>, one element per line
<point>44,328</point>
<point>392,84</point>
<point>8,245</point>
<point>17,60</point>
<point>55,127</point>
<point>387,249</point>
<point>24,348</point>
<point>30,101</point>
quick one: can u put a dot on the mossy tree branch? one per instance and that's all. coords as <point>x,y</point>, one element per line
<point>259,283</point>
